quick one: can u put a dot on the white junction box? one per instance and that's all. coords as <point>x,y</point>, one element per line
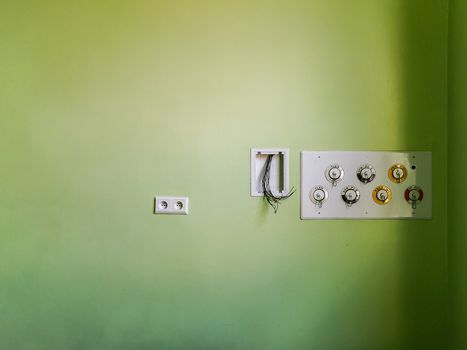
<point>171,205</point>
<point>366,185</point>
<point>279,170</point>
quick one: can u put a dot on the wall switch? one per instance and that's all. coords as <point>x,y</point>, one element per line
<point>171,205</point>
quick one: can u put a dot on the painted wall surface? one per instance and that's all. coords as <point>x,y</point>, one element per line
<point>457,129</point>
<point>104,104</point>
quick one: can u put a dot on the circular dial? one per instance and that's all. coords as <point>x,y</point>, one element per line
<point>350,195</point>
<point>382,195</point>
<point>397,173</point>
<point>318,195</point>
<point>334,173</point>
<point>413,195</point>
<point>366,173</point>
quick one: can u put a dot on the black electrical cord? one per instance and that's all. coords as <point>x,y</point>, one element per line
<point>272,200</point>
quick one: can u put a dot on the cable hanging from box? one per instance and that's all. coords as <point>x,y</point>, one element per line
<point>270,198</point>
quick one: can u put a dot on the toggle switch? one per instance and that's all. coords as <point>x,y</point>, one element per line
<point>382,195</point>
<point>413,195</point>
<point>350,195</point>
<point>397,173</point>
<point>366,173</point>
<point>334,173</point>
<point>319,195</point>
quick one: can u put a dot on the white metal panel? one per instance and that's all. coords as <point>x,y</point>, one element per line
<point>313,173</point>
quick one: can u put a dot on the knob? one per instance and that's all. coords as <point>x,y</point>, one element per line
<point>382,195</point>
<point>366,173</point>
<point>318,195</point>
<point>350,195</point>
<point>413,195</point>
<point>334,173</point>
<point>397,173</point>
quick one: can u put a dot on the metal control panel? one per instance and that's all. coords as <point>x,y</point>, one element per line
<point>366,185</point>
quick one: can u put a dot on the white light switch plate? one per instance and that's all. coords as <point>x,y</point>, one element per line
<point>171,205</point>
<point>315,166</point>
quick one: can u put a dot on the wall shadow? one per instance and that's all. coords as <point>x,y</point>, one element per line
<point>423,116</point>
<point>422,270</point>
<point>457,126</point>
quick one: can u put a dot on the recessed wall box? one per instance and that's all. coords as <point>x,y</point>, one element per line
<point>279,172</point>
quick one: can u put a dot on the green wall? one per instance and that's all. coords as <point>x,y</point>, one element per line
<point>457,145</point>
<point>105,103</point>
